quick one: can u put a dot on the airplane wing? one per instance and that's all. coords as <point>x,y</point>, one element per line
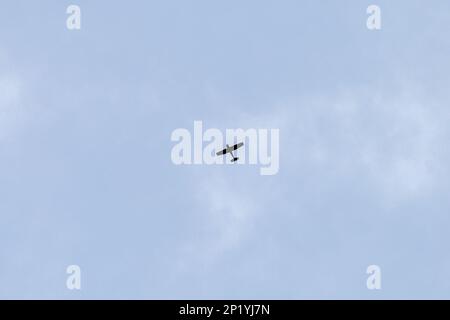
<point>236,146</point>
<point>230,149</point>
<point>220,153</point>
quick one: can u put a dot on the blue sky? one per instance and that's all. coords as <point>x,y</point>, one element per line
<point>86,176</point>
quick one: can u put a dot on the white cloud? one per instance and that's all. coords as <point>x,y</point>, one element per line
<point>227,212</point>
<point>395,142</point>
<point>225,217</point>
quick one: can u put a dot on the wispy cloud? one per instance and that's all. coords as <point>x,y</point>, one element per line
<point>224,220</point>
<point>395,142</point>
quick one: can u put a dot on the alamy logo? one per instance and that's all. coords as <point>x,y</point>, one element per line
<point>374,20</point>
<point>374,280</point>
<point>73,22</point>
<point>74,279</point>
<point>258,147</point>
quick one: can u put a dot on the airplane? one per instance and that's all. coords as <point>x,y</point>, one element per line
<point>230,150</point>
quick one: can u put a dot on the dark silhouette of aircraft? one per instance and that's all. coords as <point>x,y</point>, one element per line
<point>230,150</point>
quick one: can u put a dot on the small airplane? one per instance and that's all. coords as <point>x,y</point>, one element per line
<point>230,150</point>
